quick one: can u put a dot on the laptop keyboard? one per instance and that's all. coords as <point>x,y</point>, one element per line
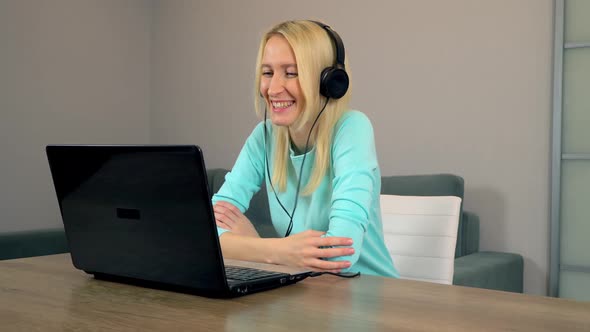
<point>246,273</point>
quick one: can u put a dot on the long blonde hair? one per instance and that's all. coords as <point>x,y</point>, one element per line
<point>314,51</point>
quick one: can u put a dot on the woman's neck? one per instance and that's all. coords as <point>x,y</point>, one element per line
<point>299,138</point>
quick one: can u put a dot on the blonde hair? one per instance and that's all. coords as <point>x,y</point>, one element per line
<point>314,51</point>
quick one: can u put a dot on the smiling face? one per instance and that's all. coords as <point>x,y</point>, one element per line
<point>279,82</point>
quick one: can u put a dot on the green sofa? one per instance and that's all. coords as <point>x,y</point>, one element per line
<point>492,270</point>
<point>32,243</point>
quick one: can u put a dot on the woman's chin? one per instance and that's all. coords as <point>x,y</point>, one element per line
<point>282,122</point>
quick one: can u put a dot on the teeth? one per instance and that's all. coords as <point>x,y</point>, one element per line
<point>282,104</point>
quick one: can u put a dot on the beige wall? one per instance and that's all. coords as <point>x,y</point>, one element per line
<point>457,86</point>
<point>71,71</point>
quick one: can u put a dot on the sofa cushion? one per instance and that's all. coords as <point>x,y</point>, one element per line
<point>491,270</point>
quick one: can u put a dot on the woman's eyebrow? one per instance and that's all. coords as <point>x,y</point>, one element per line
<point>285,65</point>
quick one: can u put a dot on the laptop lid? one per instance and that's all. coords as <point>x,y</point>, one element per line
<point>141,212</point>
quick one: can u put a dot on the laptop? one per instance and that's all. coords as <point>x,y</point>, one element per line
<point>142,214</point>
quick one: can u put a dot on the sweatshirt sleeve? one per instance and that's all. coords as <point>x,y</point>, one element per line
<point>355,169</point>
<point>245,178</point>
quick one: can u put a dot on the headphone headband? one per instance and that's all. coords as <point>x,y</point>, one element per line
<point>337,41</point>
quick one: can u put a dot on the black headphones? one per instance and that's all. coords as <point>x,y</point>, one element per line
<point>334,80</point>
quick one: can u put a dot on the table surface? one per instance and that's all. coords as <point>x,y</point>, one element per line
<point>48,294</point>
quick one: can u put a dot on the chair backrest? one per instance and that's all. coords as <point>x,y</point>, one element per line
<point>442,184</point>
<point>421,233</point>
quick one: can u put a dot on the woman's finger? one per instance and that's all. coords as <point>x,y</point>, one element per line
<point>224,219</point>
<point>332,241</point>
<point>333,252</point>
<point>220,210</point>
<point>222,225</point>
<point>228,209</point>
<point>328,265</point>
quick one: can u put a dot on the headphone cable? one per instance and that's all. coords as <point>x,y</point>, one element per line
<point>292,214</point>
<point>341,274</point>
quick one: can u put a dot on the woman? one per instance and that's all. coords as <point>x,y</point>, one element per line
<point>318,160</point>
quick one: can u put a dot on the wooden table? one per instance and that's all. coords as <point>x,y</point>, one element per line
<point>48,294</point>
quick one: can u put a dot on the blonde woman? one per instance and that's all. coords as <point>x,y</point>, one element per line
<point>317,158</point>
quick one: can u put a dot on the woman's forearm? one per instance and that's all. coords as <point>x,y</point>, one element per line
<point>248,248</point>
<point>306,249</point>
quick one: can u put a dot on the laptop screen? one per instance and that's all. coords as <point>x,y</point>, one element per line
<point>138,211</point>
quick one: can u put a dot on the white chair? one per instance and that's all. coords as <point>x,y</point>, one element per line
<point>421,234</point>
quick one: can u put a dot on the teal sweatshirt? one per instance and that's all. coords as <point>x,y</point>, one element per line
<point>345,204</point>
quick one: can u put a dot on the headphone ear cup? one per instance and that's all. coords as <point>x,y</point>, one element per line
<point>334,82</point>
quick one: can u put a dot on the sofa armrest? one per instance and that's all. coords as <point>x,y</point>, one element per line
<point>32,243</point>
<point>491,270</point>
<point>467,235</point>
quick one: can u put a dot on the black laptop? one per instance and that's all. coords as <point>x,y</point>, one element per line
<point>142,214</point>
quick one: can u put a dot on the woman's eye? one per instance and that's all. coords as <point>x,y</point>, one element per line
<point>267,73</point>
<point>291,74</point>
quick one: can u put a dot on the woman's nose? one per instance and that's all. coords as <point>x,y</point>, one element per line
<point>276,86</point>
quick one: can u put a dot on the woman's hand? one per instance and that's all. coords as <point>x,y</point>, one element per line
<point>229,217</point>
<point>309,250</point>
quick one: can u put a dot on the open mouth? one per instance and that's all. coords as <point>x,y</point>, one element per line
<point>279,106</point>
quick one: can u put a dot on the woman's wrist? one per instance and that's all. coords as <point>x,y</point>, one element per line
<point>272,249</point>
